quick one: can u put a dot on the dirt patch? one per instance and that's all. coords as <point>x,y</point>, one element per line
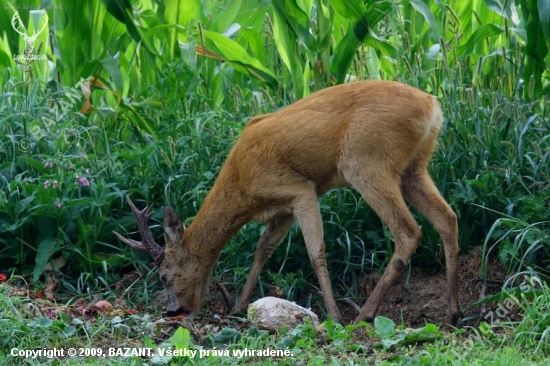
<point>419,297</point>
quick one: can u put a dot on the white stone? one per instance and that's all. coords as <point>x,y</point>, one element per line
<point>272,313</point>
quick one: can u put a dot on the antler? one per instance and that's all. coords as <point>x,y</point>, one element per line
<point>35,34</point>
<point>147,243</point>
<point>17,17</point>
<point>45,20</point>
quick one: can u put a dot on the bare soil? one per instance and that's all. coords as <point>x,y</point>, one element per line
<point>418,298</point>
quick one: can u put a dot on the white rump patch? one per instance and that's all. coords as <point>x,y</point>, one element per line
<point>436,119</point>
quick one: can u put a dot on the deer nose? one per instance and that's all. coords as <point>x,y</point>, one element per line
<point>181,310</point>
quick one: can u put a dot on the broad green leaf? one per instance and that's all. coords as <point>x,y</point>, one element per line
<point>307,6</point>
<point>285,41</point>
<point>496,6</point>
<point>44,322</point>
<point>186,11</point>
<point>325,29</point>
<point>385,49</point>
<point>384,327</point>
<point>224,16</point>
<point>215,87</point>
<point>113,70</point>
<point>544,15</point>
<point>43,254</point>
<point>237,56</point>
<point>188,52</point>
<point>430,328</point>
<point>36,22</point>
<point>427,333</point>
<point>175,14</point>
<point>253,38</point>
<point>345,51</point>
<point>6,58</point>
<point>69,331</point>
<point>226,336</point>
<point>483,32</point>
<point>423,9</point>
<point>83,38</point>
<point>181,338</point>
<point>351,9</point>
<point>21,222</point>
<point>123,12</point>
<point>71,42</point>
<point>536,48</point>
<point>31,162</point>
<point>389,343</point>
<point>253,17</point>
<point>24,204</point>
<point>293,11</point>
<point>297,20</point>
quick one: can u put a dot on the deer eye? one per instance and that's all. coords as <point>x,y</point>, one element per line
<point>163,278</point>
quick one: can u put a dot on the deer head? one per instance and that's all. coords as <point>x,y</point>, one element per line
<point>22,30</point>
<point>181,274</point>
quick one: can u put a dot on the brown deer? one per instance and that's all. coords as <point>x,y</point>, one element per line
<point>376,136</point>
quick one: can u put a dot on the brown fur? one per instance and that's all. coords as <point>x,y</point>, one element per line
<point>376,136</point>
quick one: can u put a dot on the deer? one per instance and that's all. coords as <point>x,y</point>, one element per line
<point>374,136</point>
<point>22,30</point>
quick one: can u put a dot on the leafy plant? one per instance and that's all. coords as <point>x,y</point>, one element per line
<point>391,337</point>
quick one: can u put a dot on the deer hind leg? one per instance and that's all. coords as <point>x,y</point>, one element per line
<point>271,238</point>
<point>420,190</point>
<point>306,210</point>
<point>380,189</point>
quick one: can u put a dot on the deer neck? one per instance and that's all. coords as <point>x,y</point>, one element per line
<point>222,214</point>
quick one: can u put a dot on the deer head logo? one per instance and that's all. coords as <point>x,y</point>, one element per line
<point>22,30</point>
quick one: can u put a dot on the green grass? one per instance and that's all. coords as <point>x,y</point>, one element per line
<point>26,326</point>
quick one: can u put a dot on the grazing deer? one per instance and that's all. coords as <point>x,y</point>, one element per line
<point>376,136</point>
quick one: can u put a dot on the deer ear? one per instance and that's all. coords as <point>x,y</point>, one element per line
<point>173,227</point>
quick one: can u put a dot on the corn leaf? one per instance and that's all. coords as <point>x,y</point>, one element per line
<point>349,9</point>
<point>544,14</point>
<point>123,12</point>
<point>423,9</point>
<point>236,55</point>
<point>483,32</point>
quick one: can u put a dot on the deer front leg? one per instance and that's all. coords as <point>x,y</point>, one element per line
<point>271,238</point>
<point>308,215</point>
